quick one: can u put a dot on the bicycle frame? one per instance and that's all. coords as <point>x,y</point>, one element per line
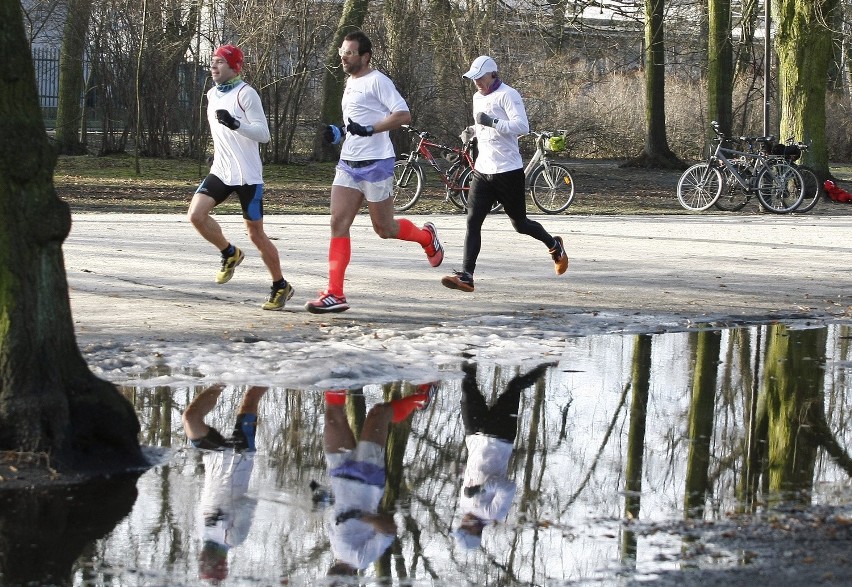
<point>423,150</point>
<point>540,157</point>
<point>756,161</point>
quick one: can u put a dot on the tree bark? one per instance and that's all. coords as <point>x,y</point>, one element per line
<point>49,400</point>
<point>656,152</point>
<point>805,51</point>
<point>794,377</point>
<point>701,422</point>
<point>354,12</point>
<point>642,344</point>
<point>69,113</point>
<point>720,55</point>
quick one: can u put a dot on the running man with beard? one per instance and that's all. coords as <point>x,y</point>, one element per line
<point>372,106</point>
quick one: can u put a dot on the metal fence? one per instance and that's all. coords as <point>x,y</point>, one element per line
<point>46,62</point>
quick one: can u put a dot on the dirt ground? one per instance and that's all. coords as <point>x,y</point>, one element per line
<point>603,187</point>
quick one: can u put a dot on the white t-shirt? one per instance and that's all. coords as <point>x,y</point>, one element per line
<point>487,466</point>
<point>236,159</point>
<point>498,145</point>
<point>367,99</point>
<point>355,542</point>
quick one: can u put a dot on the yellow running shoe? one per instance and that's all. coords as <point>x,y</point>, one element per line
<point>278,297</point>
<point>228,265</point>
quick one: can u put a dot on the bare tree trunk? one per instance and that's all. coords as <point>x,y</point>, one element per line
<point>352,18</point>
<point>805,50</point>
<point>68,110</point>
<point>656,152</point>
<point>636,441</point>
<point>49,400</point>
<point>701,422</point>
<point>794,376</point>
<point>720,54</point>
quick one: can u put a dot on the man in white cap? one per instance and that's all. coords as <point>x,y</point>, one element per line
<point>499,171</point>
<point>487,492</point>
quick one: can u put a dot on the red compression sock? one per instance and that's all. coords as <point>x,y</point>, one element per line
<point>335,397</point>
<point>403,406</point>
<point>339,253</point>
<point>409,232</point>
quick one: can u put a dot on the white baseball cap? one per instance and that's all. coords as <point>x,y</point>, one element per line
<point>480,66</point>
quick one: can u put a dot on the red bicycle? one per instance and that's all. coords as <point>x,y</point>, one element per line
<point>453,165</point>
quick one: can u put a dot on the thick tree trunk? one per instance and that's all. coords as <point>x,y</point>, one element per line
<point>69,113</point>
<point>49,400</point>
<point>354,12</point>
<point>720,75</point>
<point>43,533</point>
<point>636,441</point>
<point>656,152</point>
<point>701,422</point>
<point>805,51</point>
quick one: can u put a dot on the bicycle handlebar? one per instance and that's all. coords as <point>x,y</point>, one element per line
<point>722,136</point>
<point>421,133</point>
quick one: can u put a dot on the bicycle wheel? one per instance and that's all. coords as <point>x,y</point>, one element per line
<point>733,198</point>
<point>813,189</point>
<point>552,188</point>
<point>780,187</point>
<point>455,186</point>
<point>699,187</point>
<point>465,180</point>
<point>407,184</point>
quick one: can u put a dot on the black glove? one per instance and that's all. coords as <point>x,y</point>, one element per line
<point>472,490</point>
<point>347,516</point>
<point>357,129</point>
<point>485,120</point>
<point>224,117</point>
<point>333,134</point>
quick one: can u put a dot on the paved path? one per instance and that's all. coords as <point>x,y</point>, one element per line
<point>151,276</point>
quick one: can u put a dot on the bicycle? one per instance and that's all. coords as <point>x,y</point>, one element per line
<point>735,199</point>
<point>778,185</point>
<point>408,171</point>
<point>792,152</point>
<point>550,183</point>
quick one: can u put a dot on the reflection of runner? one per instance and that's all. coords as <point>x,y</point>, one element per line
<point>487,492</point>
<point>357,531</point>
<point>225,511</point>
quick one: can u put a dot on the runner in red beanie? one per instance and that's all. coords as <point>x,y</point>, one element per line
<point>233,55</point>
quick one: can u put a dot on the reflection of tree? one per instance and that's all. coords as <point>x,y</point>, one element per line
<point>786,423</point>
<point>622,401</point>
<point>42,533</point>
<point>796,412</point>
<point>636,439</point>
<point>755,433</point>
<point>701,421</point>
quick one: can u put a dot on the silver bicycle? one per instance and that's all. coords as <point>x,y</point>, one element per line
<point>778,185</point>
<point>549,182</point>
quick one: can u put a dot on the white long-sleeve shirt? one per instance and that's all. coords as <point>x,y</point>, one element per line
<point>498,145</point>
<point>236,159</point>
<point>225,512</point>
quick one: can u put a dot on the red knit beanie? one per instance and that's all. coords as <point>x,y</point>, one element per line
<point>232,55</point>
